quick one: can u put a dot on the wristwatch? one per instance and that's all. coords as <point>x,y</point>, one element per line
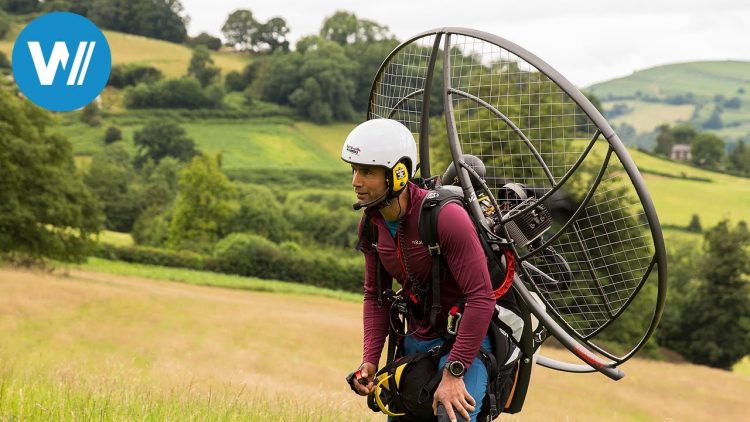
<point>456,368</point>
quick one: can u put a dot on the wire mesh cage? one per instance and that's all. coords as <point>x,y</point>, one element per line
<point>599,264</point>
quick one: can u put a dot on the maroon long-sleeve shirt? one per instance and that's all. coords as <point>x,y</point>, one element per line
<point>468,278</point>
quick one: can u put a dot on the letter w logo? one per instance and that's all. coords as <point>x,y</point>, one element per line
<point>46,71</point>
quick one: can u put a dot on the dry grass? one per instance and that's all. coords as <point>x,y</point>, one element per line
<point>125,340</point>
<point>172,59</point>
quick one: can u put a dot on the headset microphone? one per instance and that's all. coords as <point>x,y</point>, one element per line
<point>358,206</point>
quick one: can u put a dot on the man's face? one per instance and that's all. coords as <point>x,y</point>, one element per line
<point>368,182</point>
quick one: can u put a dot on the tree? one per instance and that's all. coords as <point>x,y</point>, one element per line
<point>345,28</point>
<point>4,62</point>
<point>695,224</point>
<point>130,74</point>
<point>739,159</point>
<point>714,325</point>
<point>112,134</point>
<point>4,25</point>
<point>20,7</point>
<point>161,19</point>
<point>200,66</point>
<point>110,177</point>
<point>664,141</point>
<point>708,150</point>
<point>318,82</point>
<point>240,29</point>
<point>340,28</point>
<point>206,40</point>
<point>684,133</point>
<point>238,81</point>
<point>156,192</point>
<point>90,114</point>
<point>260,213</point>
<point>714,122</point>
<point>162,139</point>
<point>45,208</point>
<point>272,35</point>
<point>204,208</point>
<point>367,58</point>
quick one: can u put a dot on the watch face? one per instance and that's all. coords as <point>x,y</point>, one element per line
<point>456,368</point>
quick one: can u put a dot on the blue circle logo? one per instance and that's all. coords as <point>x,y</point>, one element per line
<point>61,61</point>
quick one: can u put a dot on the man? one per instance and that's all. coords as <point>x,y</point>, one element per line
<point>383,157</point>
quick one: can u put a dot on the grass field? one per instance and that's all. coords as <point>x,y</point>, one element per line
<point>172,59</point>
<point>677,199</point>
<point>645,116</point>
<point>245,143</point>
<point>205,278</point>
<point>97,346</point>
<point>260,144</point>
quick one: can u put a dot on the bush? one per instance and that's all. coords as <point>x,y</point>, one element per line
<point>90,114</point>
<point>252,255</point>
<point>4,62</point>
<point>151,228</point>
<point>205,39</point>
<point>112,134</point>
<point>4,25</point>
<point>215,95</point>
<point>160,139</point>
<point>174,93</point>
<point>322,217</point>
<point>695,224</point>
<point>233,81</point>
<point>236,81</point>
<point>123,75</point>
<point>155,256</point>
<point>260,213</point>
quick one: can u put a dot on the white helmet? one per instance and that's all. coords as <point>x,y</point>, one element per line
<point>381,142</point>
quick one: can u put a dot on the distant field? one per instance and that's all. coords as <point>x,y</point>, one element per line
<point>676,199</point>
<point>645,116</point>
<point>703,79</point>
<point>97,346</point>
<point>116,238</point>
<point>172,59</point>
<point>258,144</point>
<point>251,143</point>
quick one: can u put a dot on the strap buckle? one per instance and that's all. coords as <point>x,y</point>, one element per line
<point>434,249</point>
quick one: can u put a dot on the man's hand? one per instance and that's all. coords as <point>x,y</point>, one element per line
<point>364,383</point>
<point>453,395</point>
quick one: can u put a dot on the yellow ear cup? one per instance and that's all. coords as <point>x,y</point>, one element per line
<point>400,176</point>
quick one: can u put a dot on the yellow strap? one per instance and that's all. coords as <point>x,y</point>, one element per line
<point>384,408</point>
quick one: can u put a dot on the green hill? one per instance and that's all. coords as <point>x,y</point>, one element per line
<point>703,79</point>
<point>688,92</point>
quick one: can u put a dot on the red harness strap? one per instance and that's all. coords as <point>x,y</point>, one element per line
<point>510,271</point>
